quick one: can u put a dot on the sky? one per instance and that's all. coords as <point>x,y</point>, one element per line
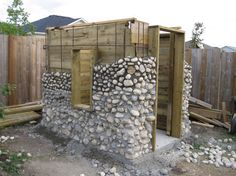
<point>218,16</point>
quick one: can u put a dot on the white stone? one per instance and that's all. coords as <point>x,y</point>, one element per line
<point>225,140</point>
<point>119,115</point>
<point>114,81</point>
<point>141,68</point>
<point>205,161</point>
<point>229,147</point>
<point>102,173</point>
<point>110,119</point>
<point>128,83</point>
<point>128,76</point>
<point>115,101</point>
<point>136,122</point>
<point>141,97</point>
<point>150,118</point>
<point>121,72</point>
<point>120,61</point>
<point>85,141</point>
<point>143,134</point>
<point>113,170</point>
<point>137,91</point>
<point>135,59</point>
<point>134,112</point>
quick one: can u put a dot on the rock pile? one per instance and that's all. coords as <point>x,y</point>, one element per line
<point>123,96</point>
<point>214,153</point>
<point>4,139</point>
<point>186,96</point>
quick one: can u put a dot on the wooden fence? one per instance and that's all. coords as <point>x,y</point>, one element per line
<point>22,63</point>
<point>213,75</point>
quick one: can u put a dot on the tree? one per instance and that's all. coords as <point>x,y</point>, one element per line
<point>197,32</point>
<point>17,19</point>
<point>5,90</point>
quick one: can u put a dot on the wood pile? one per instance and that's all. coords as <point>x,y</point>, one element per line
<point>21,113</point>
<point>203,114</point>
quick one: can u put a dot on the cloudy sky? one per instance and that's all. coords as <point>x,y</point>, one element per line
<point>218,16</point>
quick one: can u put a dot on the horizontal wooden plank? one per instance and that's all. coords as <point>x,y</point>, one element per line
<point>200,102</point>
<point>14,119</point>
<point>210,113</point>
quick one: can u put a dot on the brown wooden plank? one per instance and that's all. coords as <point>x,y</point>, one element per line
<point>209,113</point>
<point>82,75</point>
<point>200,102</point>
<point>155,36</point>
<point>178,88</point>
<point>3,64</point>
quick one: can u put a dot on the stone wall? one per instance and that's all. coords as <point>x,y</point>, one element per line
<point>123,96</point>
<point>186,96</point>
<point>122,113</point>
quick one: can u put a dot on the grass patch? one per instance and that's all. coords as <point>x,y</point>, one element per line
<point>11,162</point>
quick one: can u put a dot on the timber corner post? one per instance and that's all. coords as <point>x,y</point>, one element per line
<point>156,54</point>
<point>178,87</point>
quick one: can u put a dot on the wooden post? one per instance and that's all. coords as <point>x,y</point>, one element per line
<point>156,54</point>
<point>234,75</point>
<point>224,112</point>
<point>170,86</point>
<point>178,85</point>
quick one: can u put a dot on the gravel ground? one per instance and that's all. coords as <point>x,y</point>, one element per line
<point>53,156</point>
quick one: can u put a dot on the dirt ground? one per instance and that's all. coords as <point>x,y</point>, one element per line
<point>53,156</point>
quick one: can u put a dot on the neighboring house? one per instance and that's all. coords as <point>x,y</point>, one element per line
<point>54,21</point>
<point>228,49</point>
<point>202,46</point>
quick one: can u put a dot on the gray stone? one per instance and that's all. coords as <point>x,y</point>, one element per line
<point>114,81</point>
<point>128,76</point>
<point>85,141</point>
<point>141,68</point>
<point>135,59</point>
<point>134,112</point>
<point>137,91</point>
<point>113,170</point>
<point>164,171</point>
<point>119,115</point>
<point>110,119</point>
<point>121,72</point>
<point>128,83</point>
<point>115,101</point>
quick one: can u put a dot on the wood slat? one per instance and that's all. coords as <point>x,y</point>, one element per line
<point>3,63</point>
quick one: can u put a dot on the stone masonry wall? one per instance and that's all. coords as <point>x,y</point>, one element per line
<point>186,96</point>
<point>122,115</point>
<point>123,96</point>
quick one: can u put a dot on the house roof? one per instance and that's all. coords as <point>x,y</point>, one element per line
<point>53,21</point>
<point>203,46</point>
<point>229,49</point>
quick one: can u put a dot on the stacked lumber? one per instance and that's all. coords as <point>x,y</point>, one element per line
<point>204,115</point>
<point>21,113</point>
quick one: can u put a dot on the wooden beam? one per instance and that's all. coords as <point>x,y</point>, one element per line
<point>202,124</point>
<point>210,113</point>
<point>203,119</point>
<point>94,23</point>
<point>22,109</point>
<point>178,85</point>
<point>156,54</point>
<point>14,119</point>
<point>234,75</point>
<point>25,104</point>
<point>170,86</point>
<point>168,29</point>
<point>224,112</point>
<point>200,102</point>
